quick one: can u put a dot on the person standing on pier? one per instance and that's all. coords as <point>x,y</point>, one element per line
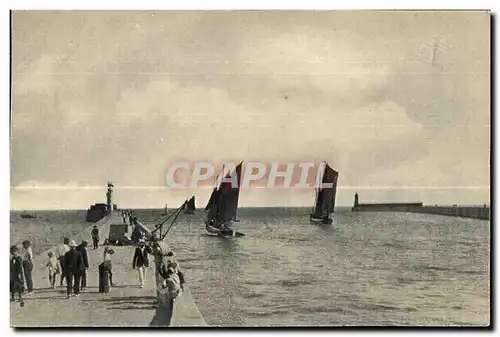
<point>82,248</point>
<point>16,275</point>
<point>53,269</point>
<point>107,260</point>
<point>28,266</point>
<point>159,255</point>
<point>61,251</point>
<point>95,236</point>
<point>141,261</point>
<point>73,266</point>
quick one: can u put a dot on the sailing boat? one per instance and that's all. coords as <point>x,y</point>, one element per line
<point>325,197</point>
<point>165,211</point>
<point>190,207</point>
<point>222,206</point>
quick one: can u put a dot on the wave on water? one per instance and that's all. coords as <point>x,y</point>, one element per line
<point>365,269</point>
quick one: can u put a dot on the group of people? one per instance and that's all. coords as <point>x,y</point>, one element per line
<point>21,268</point>
<point>71,262</point>
<point>169,279</point>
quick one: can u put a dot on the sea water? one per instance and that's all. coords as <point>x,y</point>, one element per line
<point>365,269</point>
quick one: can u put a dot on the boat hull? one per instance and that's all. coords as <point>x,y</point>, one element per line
<point>226,233</point>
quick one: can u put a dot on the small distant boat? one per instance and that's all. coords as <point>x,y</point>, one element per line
<point>222,207</point>
<point>324,205</point>
<point>190,206</point>
<point>26,215</point>
<point>165,211</point>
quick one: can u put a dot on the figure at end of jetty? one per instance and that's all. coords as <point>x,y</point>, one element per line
<point>16,275</point>
<point>95,237</point>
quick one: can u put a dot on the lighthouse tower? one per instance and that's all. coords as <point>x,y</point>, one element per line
<point>109,198</point>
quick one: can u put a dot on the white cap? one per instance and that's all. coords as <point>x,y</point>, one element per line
<point>72,243</point>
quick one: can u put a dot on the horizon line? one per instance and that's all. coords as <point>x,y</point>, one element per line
<point>159,208</point>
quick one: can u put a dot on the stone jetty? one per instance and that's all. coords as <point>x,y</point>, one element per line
<point>474,212</point>
<point>126,305</point>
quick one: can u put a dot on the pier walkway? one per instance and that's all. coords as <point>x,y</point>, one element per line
<point>126,304</point>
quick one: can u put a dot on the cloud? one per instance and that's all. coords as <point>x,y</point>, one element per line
<point>120,96</point>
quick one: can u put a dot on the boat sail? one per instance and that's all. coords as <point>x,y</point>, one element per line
<point>165,211</point>
<point>222,206</point>
<point>325,197</point>
<point>190,206</point>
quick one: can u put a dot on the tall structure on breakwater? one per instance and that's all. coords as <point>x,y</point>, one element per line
<point>109,198</point>
<point>380,207</point>
<point>98,211</point>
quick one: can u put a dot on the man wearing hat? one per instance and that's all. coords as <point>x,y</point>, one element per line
<point>82,248</point>
<point>141,261</point>
<point>73,267</point>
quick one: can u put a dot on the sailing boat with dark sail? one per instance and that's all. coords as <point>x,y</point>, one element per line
<point>165,210</point>
<point>325,197</point>
<point>222,206</point>
<point>190,206</point>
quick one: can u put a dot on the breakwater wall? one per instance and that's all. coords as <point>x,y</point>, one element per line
<point>184,311</point>
<point>387,207</point>
<point>475,212</point>
<point>482,213</point>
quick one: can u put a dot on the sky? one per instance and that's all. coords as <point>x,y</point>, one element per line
<point>397,102</point>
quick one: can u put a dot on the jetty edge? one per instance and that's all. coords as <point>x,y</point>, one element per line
<point>126,305</point>
<point>473,212</point>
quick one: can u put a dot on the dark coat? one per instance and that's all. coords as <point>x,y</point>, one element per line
<point>73,261</point>
<point>95,233</point>
<point>16,274</point>
<point>140,258</point>
<point>85,257</point>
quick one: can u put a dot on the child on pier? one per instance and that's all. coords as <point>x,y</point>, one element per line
<point>53,268</point>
